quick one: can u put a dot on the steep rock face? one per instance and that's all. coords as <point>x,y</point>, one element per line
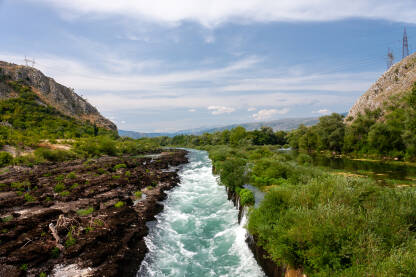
<point>50,92</point>
<point>395,81</point>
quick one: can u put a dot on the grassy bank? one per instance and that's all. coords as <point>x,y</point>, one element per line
<point>325,224</point>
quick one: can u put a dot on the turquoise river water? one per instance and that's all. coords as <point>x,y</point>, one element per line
<point>198,234</point>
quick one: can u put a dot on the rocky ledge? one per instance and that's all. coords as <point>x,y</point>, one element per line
<point>82,218</point>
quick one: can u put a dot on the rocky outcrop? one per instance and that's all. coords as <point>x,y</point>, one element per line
<point>397,80</point>
<point>50,92</point>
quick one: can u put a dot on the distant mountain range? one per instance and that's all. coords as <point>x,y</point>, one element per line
<point>279,124</point>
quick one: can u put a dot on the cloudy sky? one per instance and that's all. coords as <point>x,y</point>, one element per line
<point>166,65</point>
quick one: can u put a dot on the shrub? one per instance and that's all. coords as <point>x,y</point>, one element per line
<point>59,187</point>
<point>74,186</point>
<point>53,155</point>
<point>118,166</point>
<point>119,204</point>
<point>138,194</point>
<point>29,198</point>
<point>5,159</point>
<point>246,197</point>
<point>64,193</point>
<point>85,212</point>
<point>304,159</point>
<point>55,252</point>
<point>101,171</point>
<point>71,175</point>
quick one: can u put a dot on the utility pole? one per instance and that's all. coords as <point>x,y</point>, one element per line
<point>405,44</point>
<point>390,58</point>
<point>28,61</point>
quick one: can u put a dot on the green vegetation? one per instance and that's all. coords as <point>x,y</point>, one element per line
<point>138,194</point>
<point>29,198</point>
<point>377,133</point>
<point>70,240</point>
<point>6,218</point>
<point>118,166</point>
<point>59,188</point>
<point>5,159</point>
<point>85,212</point>
<point>29,124</point>
<point>64,193</point>
<point>119,204</point>
<point>71,175</point>
<point>55,252</point>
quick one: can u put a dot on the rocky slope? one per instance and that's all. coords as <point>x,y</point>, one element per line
<point>398,79</point>
<point>52,93</point>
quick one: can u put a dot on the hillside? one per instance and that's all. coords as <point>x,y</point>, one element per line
<point>51,93</point>
<point>280,124</point>
<point>395,81</point>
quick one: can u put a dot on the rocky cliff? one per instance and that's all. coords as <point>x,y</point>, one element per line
<point>395,81</point>
<point>50,92</point>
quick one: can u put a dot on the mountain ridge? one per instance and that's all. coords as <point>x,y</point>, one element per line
<point>397,80</point>
<point>62,98</point>
<point>284,124</point>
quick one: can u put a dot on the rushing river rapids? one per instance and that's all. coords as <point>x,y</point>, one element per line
<point>198,233</point>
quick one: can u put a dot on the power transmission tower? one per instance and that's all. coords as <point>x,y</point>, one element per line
<point>390,58</point>
<point>28,61</point>
<point>405,44</point>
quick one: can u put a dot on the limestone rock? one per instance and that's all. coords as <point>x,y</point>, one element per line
<point>62,98</point>
<point>399,79</point>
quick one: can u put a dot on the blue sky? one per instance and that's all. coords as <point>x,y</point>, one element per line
<point>170,65</point>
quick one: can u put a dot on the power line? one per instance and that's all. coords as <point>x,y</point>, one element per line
<point>405,44</point>
<point>28,61</point>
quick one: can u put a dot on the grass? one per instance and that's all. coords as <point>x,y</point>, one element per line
<point>149,187</point>
<point>70,240</point>
<point>7,218</point>
<point>119,204</point>
<point>138,194</point>
<point>85,212</point>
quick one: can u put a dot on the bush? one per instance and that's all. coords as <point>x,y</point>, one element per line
<point>304,159</point>
<point>5,159</point>
<point>118,166</point>
<point>29,198</point>
<point>246,197</point>
<point>53,155</point>
<point>119,204</point>
<point>59,187</point>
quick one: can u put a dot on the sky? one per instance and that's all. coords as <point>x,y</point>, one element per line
<point>168,65</point>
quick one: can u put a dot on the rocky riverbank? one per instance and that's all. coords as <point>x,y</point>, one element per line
<point>82,218</point>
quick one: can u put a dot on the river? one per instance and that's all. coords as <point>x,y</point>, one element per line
<point>198,234</point>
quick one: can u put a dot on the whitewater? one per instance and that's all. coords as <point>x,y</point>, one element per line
<point>198,234</point>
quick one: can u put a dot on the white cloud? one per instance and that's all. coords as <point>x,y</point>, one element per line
<point>323,111</point>
<point>251,109</point>
<point>216,110</point>
<point>192,110</point>
<point>214,12</point>
<point>226,86</point>
<point>266,114</point>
